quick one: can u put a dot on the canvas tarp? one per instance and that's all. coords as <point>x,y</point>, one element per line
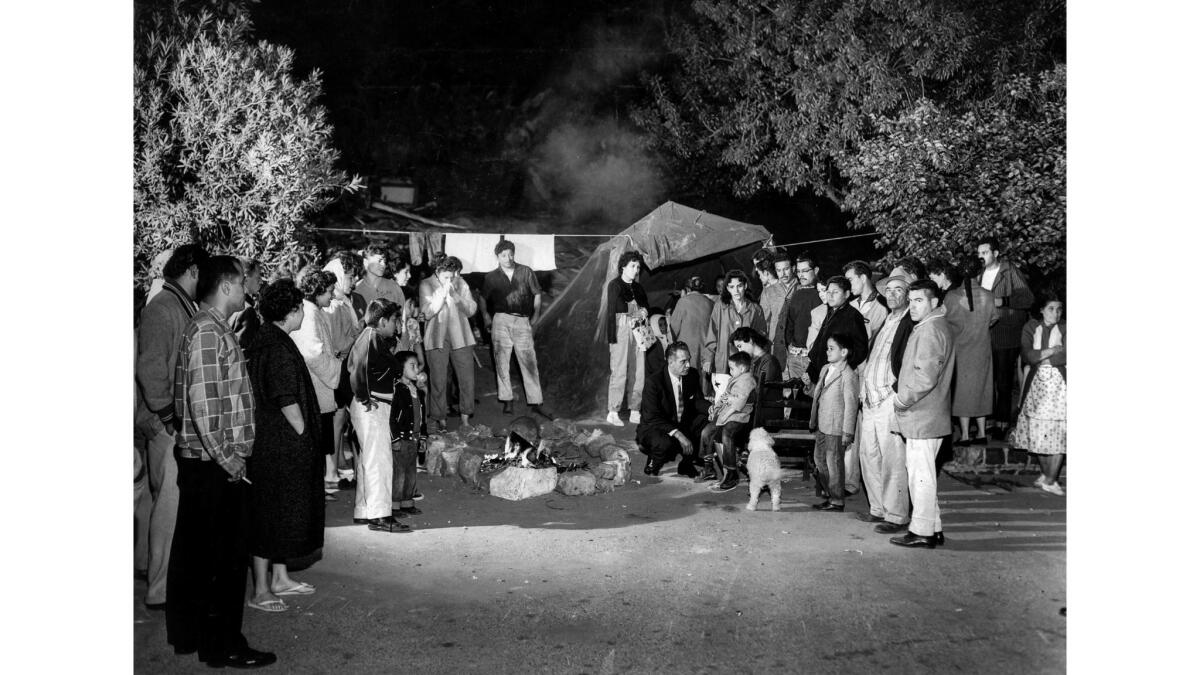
<point>676,242</point>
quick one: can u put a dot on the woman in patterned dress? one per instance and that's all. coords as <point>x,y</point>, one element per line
<point>1042,425</point>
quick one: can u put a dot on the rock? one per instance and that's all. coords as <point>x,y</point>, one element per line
<point>514,483</point>
<point>611,452</point>
<point>468,467</point>
<point>604,485</point>
<point>575,483</point>
<point>527,428</point>
<point>621,469</point>
<point>493,444</point>
<point>604,470</point>
<point>592,451</point>
<point>449,463</point>
<point>433,454</point>
<point>599,439</point>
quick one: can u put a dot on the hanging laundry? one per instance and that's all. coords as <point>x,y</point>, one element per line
<point>478,251</point>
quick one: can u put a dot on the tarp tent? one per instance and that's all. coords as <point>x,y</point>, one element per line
<point>676,242</point>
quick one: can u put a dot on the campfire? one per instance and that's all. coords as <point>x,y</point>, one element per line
<point>520,453</point>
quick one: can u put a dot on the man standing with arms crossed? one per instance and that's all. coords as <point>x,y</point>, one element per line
<point>513,302</point>
<point>215,404</point>
<point>163,321</point>
<point>923,409</point>
<point>881,452</point>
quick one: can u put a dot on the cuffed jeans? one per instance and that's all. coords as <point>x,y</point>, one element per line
<point>513,333</point>
<point>164,493</point>
<point>373,492</point>
<point>626,368</point>
<point>922,485</point>
<point>404,473</point>
<point>883,457</point>
<point>829,461</point>
<point>464,371</point>
<point>141,512</point>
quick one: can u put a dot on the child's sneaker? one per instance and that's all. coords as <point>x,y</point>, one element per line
<point>635,417</point>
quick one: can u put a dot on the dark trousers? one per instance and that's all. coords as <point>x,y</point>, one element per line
<point>404,472</point>
<point>662,447</point>
<point>206,579</point>
<point>1004,369</point>
<point>829,462</point>
<point>729,434</point>
<point>325,440</point>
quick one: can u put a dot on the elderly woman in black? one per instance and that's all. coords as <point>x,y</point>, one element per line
<point>287,466</point>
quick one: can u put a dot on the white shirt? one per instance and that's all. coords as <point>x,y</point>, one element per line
<point>989,277</point>
<point>677,389</point>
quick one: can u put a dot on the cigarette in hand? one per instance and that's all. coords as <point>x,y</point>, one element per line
<point>247,480</point>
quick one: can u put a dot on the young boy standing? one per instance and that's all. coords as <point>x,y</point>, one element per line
<point>407,421</point>
<point>729,415</point>
<point>834,415</point>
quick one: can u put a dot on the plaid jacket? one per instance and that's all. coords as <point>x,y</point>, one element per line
<point>213,397</point>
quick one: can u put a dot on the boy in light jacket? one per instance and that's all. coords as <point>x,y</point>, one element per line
<point>834,416</point>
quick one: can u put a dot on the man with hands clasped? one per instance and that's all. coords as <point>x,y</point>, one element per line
<point>447,302</point>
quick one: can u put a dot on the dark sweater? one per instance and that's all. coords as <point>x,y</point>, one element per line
<point>847,321</point>
<point>372,366</point>
<point>616,305</point>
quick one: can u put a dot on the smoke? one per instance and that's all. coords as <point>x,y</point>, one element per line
<point>581,156</point>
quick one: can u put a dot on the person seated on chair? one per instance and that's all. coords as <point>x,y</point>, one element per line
<point>673,413</point>
<point>730,415</point>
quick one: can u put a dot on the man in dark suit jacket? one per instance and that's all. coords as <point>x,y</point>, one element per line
<point>674,413</point>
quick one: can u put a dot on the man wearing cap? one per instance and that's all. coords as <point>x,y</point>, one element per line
<point>922,405</point>
<point>513,301</point>
<point>881,452</point>
<point>1013,300</point>
<point>160,332</point>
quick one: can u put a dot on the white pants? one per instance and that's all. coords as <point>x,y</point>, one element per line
<point>513,333</point>
<point>626,368</point>
<point>373,493</point>
<point>883,457</point>
<point>922,485</point>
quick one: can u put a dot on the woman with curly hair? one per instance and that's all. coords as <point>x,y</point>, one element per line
<point>315,341</point>
<point>627,306</point>
<point>288,510</point>
<point>1042,423</point>
<point>734,310</point>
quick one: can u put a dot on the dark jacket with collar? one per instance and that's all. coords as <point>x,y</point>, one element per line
<point>403,411</point>
<point>1016,299</point>
<point>845,320</point>
<point>658,403</point>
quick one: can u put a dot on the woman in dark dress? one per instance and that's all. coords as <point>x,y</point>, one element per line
<point>287,468</point>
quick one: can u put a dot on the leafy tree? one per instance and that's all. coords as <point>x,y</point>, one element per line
<point>935,182</point>
<point>779,93</point>
<point>229,150</point>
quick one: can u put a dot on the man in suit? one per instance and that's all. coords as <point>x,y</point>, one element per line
<point>922,406</point>
<point>673,414</point>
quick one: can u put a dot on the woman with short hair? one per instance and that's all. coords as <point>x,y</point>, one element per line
<point>315,341</point>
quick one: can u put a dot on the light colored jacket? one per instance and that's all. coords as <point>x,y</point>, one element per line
<point>447,326</point>
<point>923,395</point>
<point>734,405</point>
<point>314,339</point>
<point>835,409</point>
<point>689,321</point>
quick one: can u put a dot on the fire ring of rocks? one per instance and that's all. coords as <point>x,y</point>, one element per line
<point>527,461</point>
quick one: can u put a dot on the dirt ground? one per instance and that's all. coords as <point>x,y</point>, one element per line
<point>663,575</point>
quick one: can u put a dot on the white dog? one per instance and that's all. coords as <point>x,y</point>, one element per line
<point>763,467</point>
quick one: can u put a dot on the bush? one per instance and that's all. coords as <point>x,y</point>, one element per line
<point>229,150</point>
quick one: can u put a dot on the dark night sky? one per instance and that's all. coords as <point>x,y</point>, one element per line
<point>446,93</point>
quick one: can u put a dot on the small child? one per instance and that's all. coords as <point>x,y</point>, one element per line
<point>728,416</point>
<point>834,415</point>
<point>407,422</point>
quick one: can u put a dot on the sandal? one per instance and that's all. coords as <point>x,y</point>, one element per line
<point>301,588</point>
<point>272,605</point>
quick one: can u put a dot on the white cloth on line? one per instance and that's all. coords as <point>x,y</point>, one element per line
<point>478,251</point>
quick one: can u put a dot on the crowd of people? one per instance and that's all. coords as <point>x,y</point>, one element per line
<point>883,368</point>
<point>250,398</point>
<point>257,402</point>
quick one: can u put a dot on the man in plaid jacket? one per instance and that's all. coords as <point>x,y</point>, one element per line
<point>206,581</point>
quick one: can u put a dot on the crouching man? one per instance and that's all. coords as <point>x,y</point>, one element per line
<point>673,414</point>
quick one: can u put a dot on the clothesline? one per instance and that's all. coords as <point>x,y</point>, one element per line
<point>501,234</point>
<point>818,241</point>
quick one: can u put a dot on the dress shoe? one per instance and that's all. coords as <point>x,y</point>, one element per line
<point>706,474</point>
<point>246,658</point>
<point>829,506</point>
<point>360,521</point>
<point>652,467</point>
<point>869,518</point>
<point>344,484</point>
<point>911,540</point>
<point>387,524</point>
<point>890,528</point>
<point>687,469</point>
<point>508,407</point>
<point>939,538</point>
<point>408,510</point>
<point>963,443</point>
<point>183,650</point>
<point>539,410</point>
